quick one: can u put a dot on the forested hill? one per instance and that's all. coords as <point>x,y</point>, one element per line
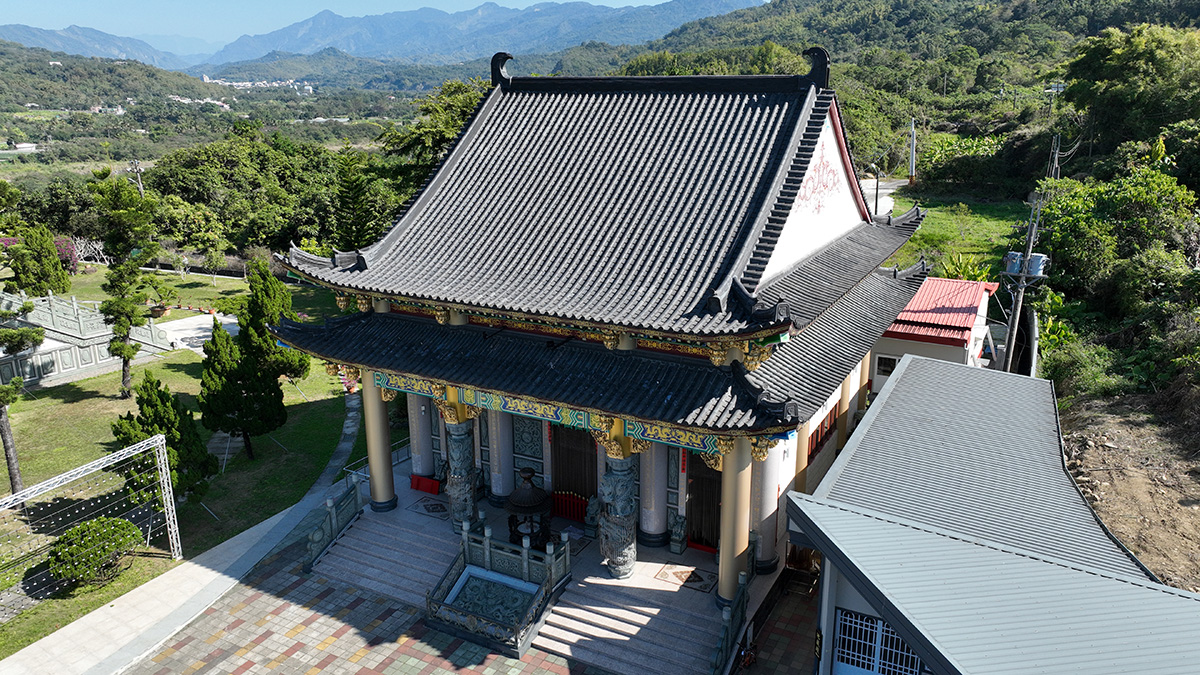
<point>57,80</point>
<point>924,28</point>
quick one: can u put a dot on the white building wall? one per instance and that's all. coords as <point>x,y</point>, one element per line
<point>825,209</point>
<point>898,348</point>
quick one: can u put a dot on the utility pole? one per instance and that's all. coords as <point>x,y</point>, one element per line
<point>1023,279</point>
<point>912,151</point>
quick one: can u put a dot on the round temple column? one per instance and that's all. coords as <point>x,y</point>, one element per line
<point>767,472</point>
<point>735,519</point>
<point>652,528</point>
<point>864,376</point>
<point>420,444</point>
<point>618,518</point>
<point>500,435</point>
<point>460,474</point>
<point>843,420</point>
<point>800,484</point>
<point>379,445</point>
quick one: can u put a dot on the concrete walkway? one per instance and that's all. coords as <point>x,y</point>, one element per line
<point>111,638</point>
<point>191,333</point>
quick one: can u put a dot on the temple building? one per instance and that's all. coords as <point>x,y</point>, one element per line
<point>658,293</point>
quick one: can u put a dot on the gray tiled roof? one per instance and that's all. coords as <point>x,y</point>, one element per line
<point>640,384</point>
<point>649,203</point>
<point>810,366</point>
<point>976,452</point>
<point>971,606</point>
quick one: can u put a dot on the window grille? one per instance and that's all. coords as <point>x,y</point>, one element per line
<point>824,429</point>
<point>869,643</point>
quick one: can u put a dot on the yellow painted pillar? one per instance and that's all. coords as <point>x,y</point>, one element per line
<point>379,445</point>
<point>735,519</point>
<point>800,484</point>
<point>864,377</point>
<point>843,420</point>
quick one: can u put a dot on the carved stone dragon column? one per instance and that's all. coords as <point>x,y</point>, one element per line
<point>618,517</point>
<point>460,455</point>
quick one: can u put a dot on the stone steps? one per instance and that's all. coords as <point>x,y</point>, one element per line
<point>616,628</point>
<point>644,646</point>
<point>390,555</point>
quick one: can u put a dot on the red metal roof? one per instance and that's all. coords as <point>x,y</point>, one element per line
<point>942,312</point>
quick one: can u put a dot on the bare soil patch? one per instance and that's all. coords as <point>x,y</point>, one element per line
<point>1141,471</point>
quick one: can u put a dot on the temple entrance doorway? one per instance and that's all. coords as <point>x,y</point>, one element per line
<point>703,505</point>
<point>573,463</point>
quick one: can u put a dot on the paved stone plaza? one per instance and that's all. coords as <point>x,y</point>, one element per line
<point>278,620</point>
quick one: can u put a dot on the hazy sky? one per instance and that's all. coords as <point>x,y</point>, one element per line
<point>217,20</point>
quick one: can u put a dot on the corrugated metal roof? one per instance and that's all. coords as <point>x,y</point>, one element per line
<point>638,384</point>
<point>622,201</point>
<point>978,607</point>
<point>952,303</point>
<point>976,452</point>
<point>944,310</point>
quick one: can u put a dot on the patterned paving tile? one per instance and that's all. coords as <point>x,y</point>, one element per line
<point>279,621</point>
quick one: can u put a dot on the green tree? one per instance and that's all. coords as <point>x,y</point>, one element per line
<point>269,301</point>
<point>128,221</point>
<point>363,205</point>
<point>161,412</point>
<point>237,397</point>
<point>1096,224</point>
<point>14,339</point>
<point>1134,83</point>
<point>36,267</point>
<point>443,112</point>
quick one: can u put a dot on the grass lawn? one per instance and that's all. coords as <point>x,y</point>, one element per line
<point>982,229</point>
<point>197,290</point>
<point>47,617</point>
<point>60,428</point>
<point>288,462</point>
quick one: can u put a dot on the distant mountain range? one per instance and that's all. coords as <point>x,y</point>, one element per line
<point>424,36</point>
<point>432,36</point>
<point>90,42</point>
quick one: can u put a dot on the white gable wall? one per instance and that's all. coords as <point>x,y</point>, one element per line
<point>825,209</point>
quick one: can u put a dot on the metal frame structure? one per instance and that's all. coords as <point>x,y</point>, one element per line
<point>156,443</point>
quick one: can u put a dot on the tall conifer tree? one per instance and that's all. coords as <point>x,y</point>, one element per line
<point>161,412</point>
<point>236,395</point>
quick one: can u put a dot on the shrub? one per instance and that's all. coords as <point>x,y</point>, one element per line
<point>1153,274</point>
<point>90,553</point>
<point>1080,368</point>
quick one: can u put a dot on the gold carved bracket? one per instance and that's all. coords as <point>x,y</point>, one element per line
<point>601,428</point>
<point>612,447</point>
<point>755,355</point>
<point>450,411</point>
<point>442,314</point>
<point>343,301</point>
<point>713,460</point>
<point>364,302</point>
<point>388,395</point>
<point>760,446</point>
<point>717,351</point>
<point>638,445</point>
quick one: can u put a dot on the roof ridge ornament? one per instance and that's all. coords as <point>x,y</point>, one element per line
<point>500,76</point>
<point>820,66</point>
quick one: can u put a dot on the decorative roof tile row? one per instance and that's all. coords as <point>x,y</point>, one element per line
<point>637,384</point>
<point>628,202</point>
